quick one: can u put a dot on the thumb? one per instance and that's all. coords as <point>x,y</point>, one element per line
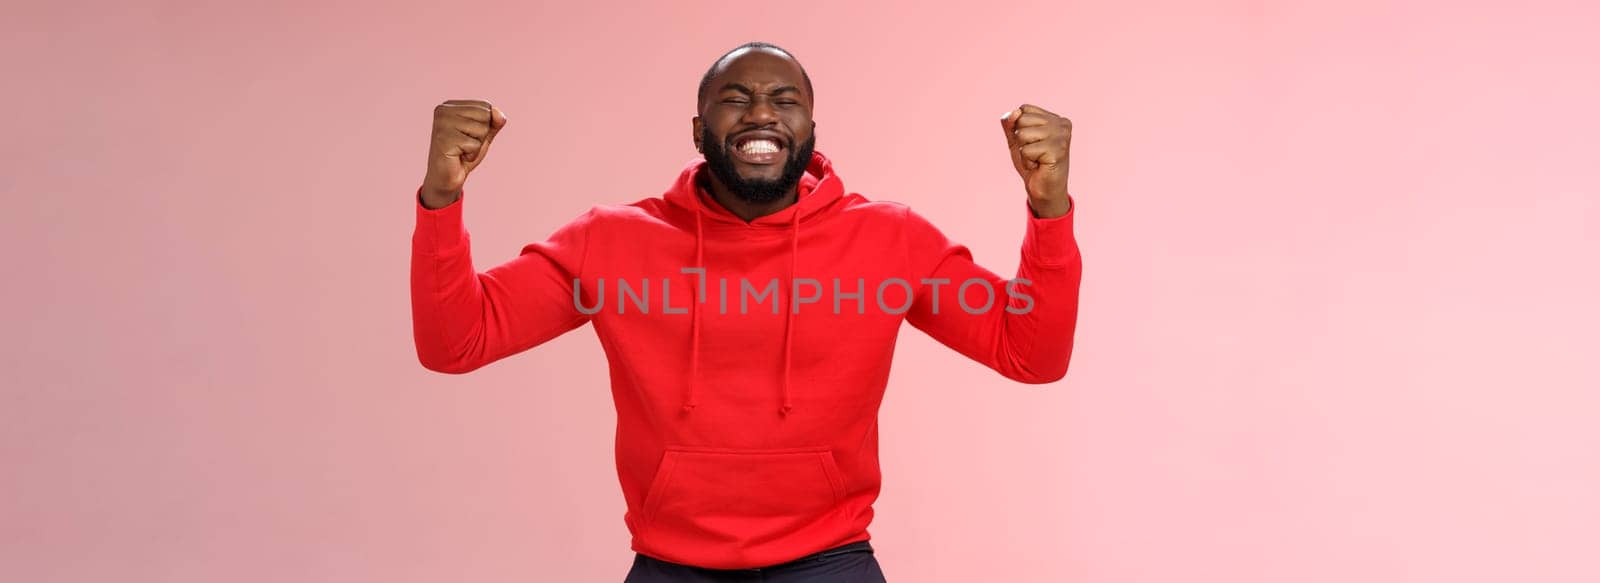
<point>497,121</point>
<point>1008,123</point>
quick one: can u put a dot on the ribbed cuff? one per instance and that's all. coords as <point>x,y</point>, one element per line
<point>439,229</point>
<point>1050,242</point>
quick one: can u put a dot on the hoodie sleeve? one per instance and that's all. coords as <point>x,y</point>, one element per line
<point>463,319</point>
<point>1023,330</point>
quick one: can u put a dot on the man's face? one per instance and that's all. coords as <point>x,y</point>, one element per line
<point>755,126</point>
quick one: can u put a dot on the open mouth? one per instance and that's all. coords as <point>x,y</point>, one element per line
<point>759,148</point>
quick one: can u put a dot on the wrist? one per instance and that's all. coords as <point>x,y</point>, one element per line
<point>1050,208</point>
<point>434,198</point>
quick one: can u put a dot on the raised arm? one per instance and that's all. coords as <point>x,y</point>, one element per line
<point>463,319</point>
<point>1023,328</point>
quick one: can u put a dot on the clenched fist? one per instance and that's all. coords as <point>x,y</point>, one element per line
<point>1039,142</point>
<point>462,132</point>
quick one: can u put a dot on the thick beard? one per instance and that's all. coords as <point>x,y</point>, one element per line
<point>756,191</point>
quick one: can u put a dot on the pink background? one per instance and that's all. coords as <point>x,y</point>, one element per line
<point>1339,303</point>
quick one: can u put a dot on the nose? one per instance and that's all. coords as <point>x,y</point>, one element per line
<point>760,113</point>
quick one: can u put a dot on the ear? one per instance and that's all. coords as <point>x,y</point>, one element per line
<point>696,126</point>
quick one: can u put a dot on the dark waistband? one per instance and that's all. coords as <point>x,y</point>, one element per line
<point>854,547</point>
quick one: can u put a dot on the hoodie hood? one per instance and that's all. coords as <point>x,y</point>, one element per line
<point>819,189</point>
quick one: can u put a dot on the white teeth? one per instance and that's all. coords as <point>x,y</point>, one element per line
<point>759,147</point>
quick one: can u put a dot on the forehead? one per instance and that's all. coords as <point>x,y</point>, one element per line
<point>753,67</point>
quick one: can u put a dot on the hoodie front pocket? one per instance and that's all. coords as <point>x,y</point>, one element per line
<point>701,494</point>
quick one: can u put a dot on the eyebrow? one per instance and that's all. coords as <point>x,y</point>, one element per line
<point>748,91</point>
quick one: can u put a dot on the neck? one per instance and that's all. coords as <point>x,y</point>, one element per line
<point>744,209</point>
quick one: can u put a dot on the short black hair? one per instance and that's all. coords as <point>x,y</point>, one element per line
<point>705,81</point>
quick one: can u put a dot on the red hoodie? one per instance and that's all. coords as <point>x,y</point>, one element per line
<point>747,429</point>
